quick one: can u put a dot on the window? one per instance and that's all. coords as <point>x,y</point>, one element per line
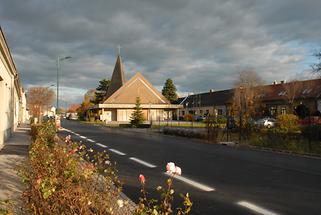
<point>282,93</point>
<point>283,110</point>
<point>207,112</point>
<point>273,111</point>
<point>183,112</point>
<point>219,111</point>
<point>306,91</point>
<point>201,112</point>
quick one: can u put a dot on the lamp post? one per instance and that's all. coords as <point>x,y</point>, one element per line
<point>241,113</point>
<point>58,68</point>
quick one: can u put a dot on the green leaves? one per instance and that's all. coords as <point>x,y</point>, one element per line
<point>101,91</point>
<point>137,117</point>
<point>169,90</point>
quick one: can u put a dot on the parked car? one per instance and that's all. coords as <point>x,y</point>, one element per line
<point>72,116</point>
<point>310,120</point>
<point>266,122</point>
<point>199,118</point>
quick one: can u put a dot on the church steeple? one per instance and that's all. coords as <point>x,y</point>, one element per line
<point>118,77</point>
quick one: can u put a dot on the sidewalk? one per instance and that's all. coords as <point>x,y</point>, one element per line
<point>15,150</point>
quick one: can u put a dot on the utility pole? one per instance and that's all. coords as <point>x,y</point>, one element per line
<point>58,68</point>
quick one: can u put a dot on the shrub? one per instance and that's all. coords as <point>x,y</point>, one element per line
<point>312,132</point>
<point>288,123</point>
<point>46,132</point>
<point>185,132</point>
<point>188,117</point>
<point>61,181</point>
<point>221,120</point>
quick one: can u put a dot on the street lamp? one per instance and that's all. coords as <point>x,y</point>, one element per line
<point>58,68</point>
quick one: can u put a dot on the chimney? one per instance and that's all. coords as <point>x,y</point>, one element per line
<point>275,82</point>
<point>283,81</point>
<point>211,90</point>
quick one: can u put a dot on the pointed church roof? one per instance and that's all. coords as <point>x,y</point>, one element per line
<point>137,86</point>
<point>118,77</point>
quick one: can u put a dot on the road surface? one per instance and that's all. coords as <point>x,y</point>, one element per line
<point>220,179</point>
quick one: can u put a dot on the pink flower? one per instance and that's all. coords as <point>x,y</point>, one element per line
<point>142,179</point>
<point>170,168</point>
<point>68,139</point>
<point>178,171</point>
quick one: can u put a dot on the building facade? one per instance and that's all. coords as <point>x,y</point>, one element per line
<point>214,103</point>
<point>272,100</point>
<point>12,96</point>
<point>121,99</point>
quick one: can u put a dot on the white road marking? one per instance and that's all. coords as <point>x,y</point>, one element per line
<point>256,208</point>
<point>142,162</point>
<point>90,140</point>
<point>117,152</point>
<point>77,134</point>
<point>192,183</point>
<point>83,137</point>
<point>101,145</point>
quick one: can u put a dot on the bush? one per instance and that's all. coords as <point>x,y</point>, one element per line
<point>221,120</point>
<point>188,117</point>
<point>288,123</point>
<point>46,132</point>
<point>185,132</point>
<point>60,181</point>
<point>312,132</point>
<point>294,142</point>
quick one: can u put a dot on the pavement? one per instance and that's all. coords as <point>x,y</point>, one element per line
<point>15,151</point>
<point>219,179</point>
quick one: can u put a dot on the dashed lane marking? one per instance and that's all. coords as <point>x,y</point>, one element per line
<point>192,183</point>
<point>117,152</point>
<point>256,208</point>
<point>83,137</point>
<point>90,140</point>
<point>142,162</point>
<point>101,145</point>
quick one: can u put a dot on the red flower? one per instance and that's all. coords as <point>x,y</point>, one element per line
<point>142,179</point>
<point>72,151</point>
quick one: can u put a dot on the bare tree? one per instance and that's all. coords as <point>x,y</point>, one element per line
<point>316,68</point>
<point>291,91</point>
<point>73,108</point>
<point>247,91</point>
<point>39,98</point>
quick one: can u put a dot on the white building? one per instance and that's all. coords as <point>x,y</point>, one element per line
<point>12,96</point>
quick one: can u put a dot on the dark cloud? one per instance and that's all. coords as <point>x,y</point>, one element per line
<point>202,44</point>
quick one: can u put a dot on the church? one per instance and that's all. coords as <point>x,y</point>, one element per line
<point>121,99</point>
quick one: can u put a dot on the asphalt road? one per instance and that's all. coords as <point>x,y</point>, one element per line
<point>220,179</point>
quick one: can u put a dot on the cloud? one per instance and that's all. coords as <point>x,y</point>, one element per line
<point>201,45</point>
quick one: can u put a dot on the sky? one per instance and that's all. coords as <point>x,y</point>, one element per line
<point>200,45</point>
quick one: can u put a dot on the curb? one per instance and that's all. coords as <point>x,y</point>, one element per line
<point>280,151</point>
